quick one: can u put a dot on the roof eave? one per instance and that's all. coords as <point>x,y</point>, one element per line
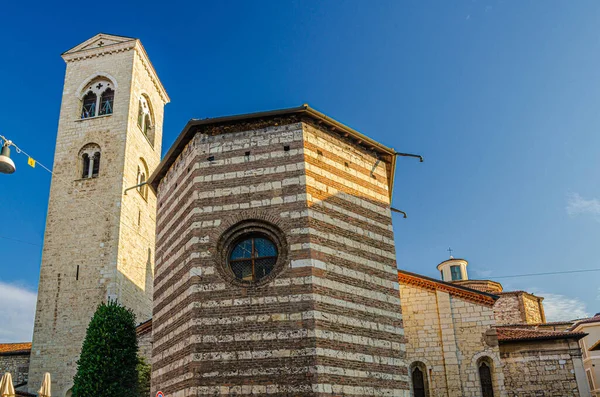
<point>187,134</point>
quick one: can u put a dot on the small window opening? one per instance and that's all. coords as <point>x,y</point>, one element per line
<point>253,258</point>
<point>319,153</point>
<point>455,273</point>
<point>247,154</point>
<point>141,180</point>
<point>96,164</point>
<point>286,148</point>
<point>211,158</point>
<point>420,385</point>
<point>139,217</point>
<point>77,273</point>
<point>346,164</point>
<point>86,165</point>
<point>485,377</point>
<point>90,161</point>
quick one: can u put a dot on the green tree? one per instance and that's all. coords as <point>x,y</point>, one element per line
<point>144,372</point>
<point>108,361</point>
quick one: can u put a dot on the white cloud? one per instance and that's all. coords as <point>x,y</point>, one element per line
<point>562,308</point>
<point>577,205</point>
<point>17,312</point>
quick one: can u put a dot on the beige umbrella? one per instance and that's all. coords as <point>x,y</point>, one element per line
<point>6,386</point>
<point>45,389</point>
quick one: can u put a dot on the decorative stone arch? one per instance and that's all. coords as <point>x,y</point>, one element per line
<point>423,366</point>
<point>494,365</point>
<point>493,356</point>
<point>97,97</point>
<point>81,89</point>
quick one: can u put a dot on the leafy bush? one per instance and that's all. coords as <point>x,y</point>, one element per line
<point>108,361</point>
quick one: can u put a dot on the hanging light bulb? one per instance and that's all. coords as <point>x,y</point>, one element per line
<point>7,166</point>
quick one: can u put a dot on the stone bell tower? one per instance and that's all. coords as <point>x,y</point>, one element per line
<point>99,240</point>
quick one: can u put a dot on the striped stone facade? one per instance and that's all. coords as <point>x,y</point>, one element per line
<point>327,321</point>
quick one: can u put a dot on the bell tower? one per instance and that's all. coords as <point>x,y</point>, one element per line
<point>99,238</point>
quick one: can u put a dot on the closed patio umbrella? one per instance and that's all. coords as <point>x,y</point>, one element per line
<point>6,386</point>
<point>45,389</point>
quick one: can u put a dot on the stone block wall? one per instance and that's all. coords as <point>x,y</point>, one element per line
<point>17,365</point>
<point>449,334</point>
<point>328,322</point>
<point>540,368</point>
<point>519,307</point>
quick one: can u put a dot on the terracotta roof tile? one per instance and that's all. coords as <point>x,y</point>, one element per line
<point>13,348</point>
<point>595,319</point>
<point>509,334</point>
<point>473,295</point>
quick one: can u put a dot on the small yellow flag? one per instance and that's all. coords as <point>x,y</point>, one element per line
<point>31,162</point>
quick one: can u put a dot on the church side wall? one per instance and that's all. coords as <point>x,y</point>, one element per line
<point>422,332</point>
<point>473,323</point>
<point>540,365</point>
<point>449,335</point>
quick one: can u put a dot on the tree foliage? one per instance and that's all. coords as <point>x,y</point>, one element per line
<point>108,361</point>
<point>144,372</point>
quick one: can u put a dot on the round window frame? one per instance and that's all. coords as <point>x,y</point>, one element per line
<point>242,231</point>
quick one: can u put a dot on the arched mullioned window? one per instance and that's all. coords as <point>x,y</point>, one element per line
<point>484,367</point>
<point>90,160</point>
<point>99,98</point>
<point>142,177</point>
<point>418,376</point>
<point>145,120</point>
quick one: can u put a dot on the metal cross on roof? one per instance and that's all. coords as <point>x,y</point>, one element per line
<point>450,251</point>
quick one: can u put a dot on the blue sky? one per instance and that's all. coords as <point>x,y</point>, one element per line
<point>501,97</point>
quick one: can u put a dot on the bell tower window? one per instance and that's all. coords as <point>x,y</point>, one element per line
<point>144,119</point>
<point>142,177</point>
<point>89,105</point>
<point>97,98</point>
<point>106,102</point>
<point>90,161</point>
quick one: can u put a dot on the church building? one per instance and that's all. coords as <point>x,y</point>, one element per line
<point>275,261</point>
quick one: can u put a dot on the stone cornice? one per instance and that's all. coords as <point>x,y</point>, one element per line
<point>434,285</point>
<point>121,47</point>
<point>99,51</point>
